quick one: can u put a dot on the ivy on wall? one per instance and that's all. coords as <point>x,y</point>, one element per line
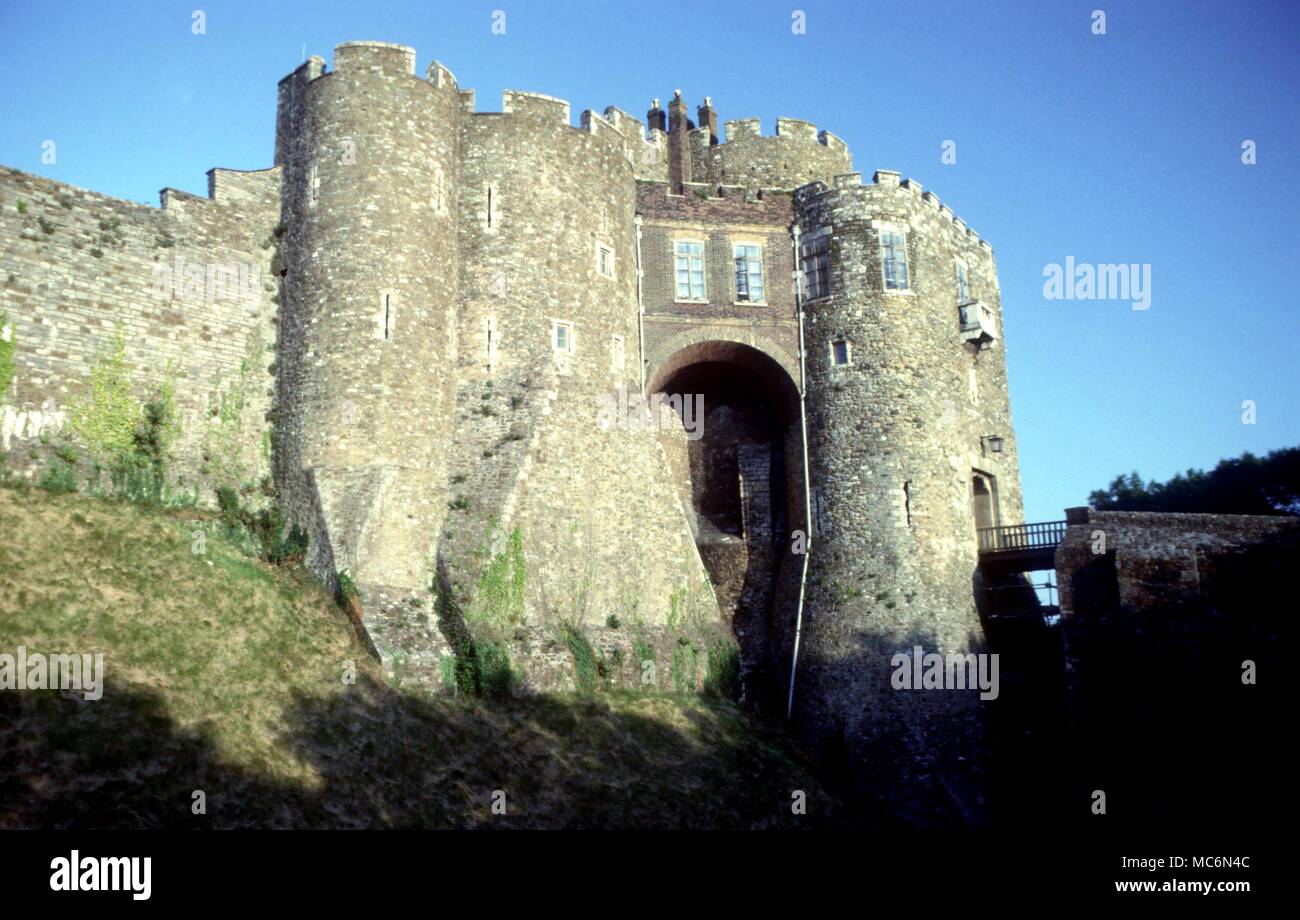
<point>8,344</point>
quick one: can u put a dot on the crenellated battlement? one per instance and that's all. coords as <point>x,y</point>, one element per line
<point>439,75</point>
<point>520,102</point>
<point>851,183</point>
<point>377,56</point>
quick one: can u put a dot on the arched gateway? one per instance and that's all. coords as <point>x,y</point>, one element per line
<point>740,477</point>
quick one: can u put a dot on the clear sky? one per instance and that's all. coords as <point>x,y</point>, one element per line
<point>1122,147</point>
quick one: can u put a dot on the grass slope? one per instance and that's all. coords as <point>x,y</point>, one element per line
<point>225,675</point>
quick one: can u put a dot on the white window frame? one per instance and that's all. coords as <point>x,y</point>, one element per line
<point>848,352</point>
<point>704,272</point>
<point>901,232</point>
<point>567,325</point>
<point>809,250</point>
<point>761,300</point>
<point>601,249</point>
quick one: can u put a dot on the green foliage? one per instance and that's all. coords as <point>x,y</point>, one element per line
<point>158,428</point>
<point>844,593</point>
<point>447,670</point>
<point>460,503</point>
<point>266,530</point>
<point>585,665</point>
<point>105,419</point>
<point>496,607</point>
<point>223,442</point>
<point>22,207</point>
<point>1243,485</point>
<point>484,669</point>
<point>59,478</point>
<point>644,652</point>
<point>498,601</point>
<point>685,665</point>
<point>8,345</point>
<point>722,674</point>
<point>347,589</point>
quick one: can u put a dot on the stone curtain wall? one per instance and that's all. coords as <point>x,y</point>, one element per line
<point>1160,614</point>
<point>1121,573</point>
<point>190,285</point>
<point>796,155</point>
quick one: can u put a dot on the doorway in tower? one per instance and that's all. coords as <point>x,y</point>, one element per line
<point>984,503</point>
<point>741,482</point>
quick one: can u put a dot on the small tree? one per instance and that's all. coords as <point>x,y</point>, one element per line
<point>106,418</point>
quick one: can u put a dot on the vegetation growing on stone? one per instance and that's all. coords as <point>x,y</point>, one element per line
<point>8,344</point>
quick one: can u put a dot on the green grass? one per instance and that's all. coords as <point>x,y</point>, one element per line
<point>225,674</point>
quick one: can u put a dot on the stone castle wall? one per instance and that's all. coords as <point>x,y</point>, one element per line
<point>1170,625</point>
<point>189,285</point>
<point>795,156</point>
<point>424,254</point>
<point>426,413</point>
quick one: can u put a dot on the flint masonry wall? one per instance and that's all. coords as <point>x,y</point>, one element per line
<point>894,438</point>
<point>416,432</point>
<point>369,312</point>
<point>796,155</point>
<point>190,286</point>
<point>600,521</point>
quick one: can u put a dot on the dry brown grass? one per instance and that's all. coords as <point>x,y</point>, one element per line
<point>225,675</point>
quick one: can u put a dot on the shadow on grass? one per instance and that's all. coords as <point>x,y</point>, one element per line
<point>385,759</point>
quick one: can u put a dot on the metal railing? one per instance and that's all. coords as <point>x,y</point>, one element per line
<point>1044,535</point>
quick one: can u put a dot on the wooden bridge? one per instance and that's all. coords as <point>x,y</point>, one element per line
<point>1006,555</point>
<point>1021,547</point>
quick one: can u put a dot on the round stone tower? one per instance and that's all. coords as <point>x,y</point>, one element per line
<point>369,286</point>
<point>907,397</point>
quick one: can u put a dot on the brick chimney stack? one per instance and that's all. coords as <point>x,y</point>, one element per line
<point>709,119</point>
<point>678,152</point>
<point>656,117</point>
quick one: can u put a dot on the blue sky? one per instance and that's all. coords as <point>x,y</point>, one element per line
<point>1123,147</point>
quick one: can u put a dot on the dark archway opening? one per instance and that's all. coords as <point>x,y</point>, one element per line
<point>741,480</point>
